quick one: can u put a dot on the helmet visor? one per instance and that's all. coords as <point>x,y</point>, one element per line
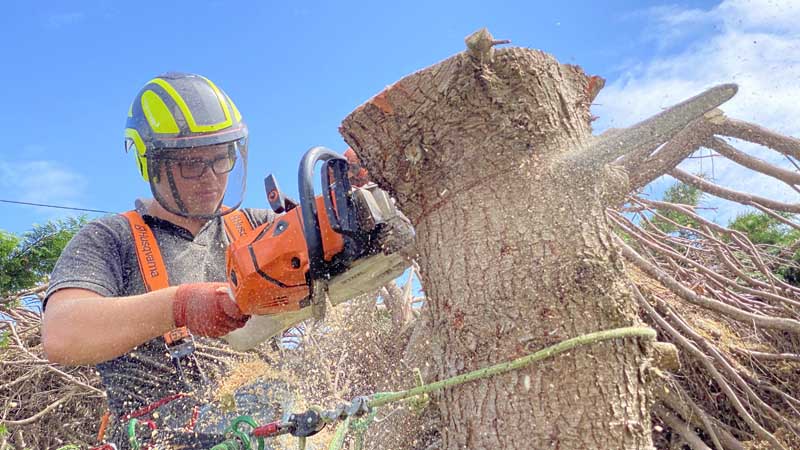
<point>199,182</point>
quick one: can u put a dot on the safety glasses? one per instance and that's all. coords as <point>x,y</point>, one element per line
<point>196,168</point>
<point>193,168</point>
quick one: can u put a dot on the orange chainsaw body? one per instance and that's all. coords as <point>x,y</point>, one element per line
<point>268,268</point>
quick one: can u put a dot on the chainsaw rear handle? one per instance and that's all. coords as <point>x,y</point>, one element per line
<point>341,215</point>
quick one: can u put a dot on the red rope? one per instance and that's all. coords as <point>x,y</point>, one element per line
<point>149,408</point>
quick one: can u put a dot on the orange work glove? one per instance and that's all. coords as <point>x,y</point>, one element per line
<point>207,309</point>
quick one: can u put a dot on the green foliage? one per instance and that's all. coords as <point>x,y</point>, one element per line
<point>5,338</point>
<point>763,229</point>
<point>678,193</point>
<point>3,430</point>
<point>26,260</point>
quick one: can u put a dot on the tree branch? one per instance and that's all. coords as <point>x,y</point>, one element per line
<point>644,167</point>
<point>680,427</point>
<point>649,133</point>
<point>723,148</point>
<point>48,365</point>
<point>724,281</point>
<point>775,216</point>
<point>730,194</point>
<point>769,356</point>
<point>712,371</point>
<point>38,415</point>
<point>713,351</point>
<point>750,280</point>
<point>676,398</point>
<point>757,134</point>
<point>737,235</point>
<point>700,300</point>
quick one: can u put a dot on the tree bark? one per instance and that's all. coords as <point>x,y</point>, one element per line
<point>514,249</point>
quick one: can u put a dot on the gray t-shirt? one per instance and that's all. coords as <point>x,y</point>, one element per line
<point>101,257</point>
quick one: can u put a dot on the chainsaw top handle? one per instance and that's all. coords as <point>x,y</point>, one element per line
<point>338,204</point>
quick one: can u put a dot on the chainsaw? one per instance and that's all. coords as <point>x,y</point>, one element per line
<point>325,249</point>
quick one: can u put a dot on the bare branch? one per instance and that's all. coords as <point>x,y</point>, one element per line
<point>740,129</point>
<point>676,398</point>
<point>665,250</point>
<point>775,216</point>
<point>746,245</point>
<point>18,380</point>
<point>730,194</point>
<point>644,167</point>
<point>688,210</point>
<point>713,351</point>
<point>769,356</point>
<point>47,364</point>
<point>750,280</point>
<point>701,357</point>
<point>38,415</point>
<point>737,236</point>
<point>681,428</point>
<point>723,148</point>
<point>700,300</point>
<point>652,132</point>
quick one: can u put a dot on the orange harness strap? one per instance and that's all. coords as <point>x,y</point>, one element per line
<point>101,433</point>
<point>151,264</point>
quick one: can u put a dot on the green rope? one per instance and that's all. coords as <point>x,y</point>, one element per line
<point>383,398</point>
<point>132,441</point>
<point>359,441</point>
<point>338,436</point>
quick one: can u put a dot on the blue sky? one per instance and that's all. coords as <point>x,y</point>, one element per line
<point>296,69</point>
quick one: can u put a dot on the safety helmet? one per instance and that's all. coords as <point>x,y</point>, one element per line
<point>174,118</point>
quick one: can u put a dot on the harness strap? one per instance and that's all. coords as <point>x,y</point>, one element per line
<point>101,433</point>
<point>151,264</point>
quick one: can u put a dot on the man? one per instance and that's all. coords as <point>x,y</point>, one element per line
<point>108,303</point>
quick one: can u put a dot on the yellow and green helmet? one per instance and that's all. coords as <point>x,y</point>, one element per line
<point>177,112</point>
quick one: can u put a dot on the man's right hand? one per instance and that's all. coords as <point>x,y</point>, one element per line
<point>207,309</point>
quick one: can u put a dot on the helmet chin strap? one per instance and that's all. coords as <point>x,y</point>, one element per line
<point>175,195</point>
<point>154,167</point>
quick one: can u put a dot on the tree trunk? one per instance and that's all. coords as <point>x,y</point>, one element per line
<point>514,248</point>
